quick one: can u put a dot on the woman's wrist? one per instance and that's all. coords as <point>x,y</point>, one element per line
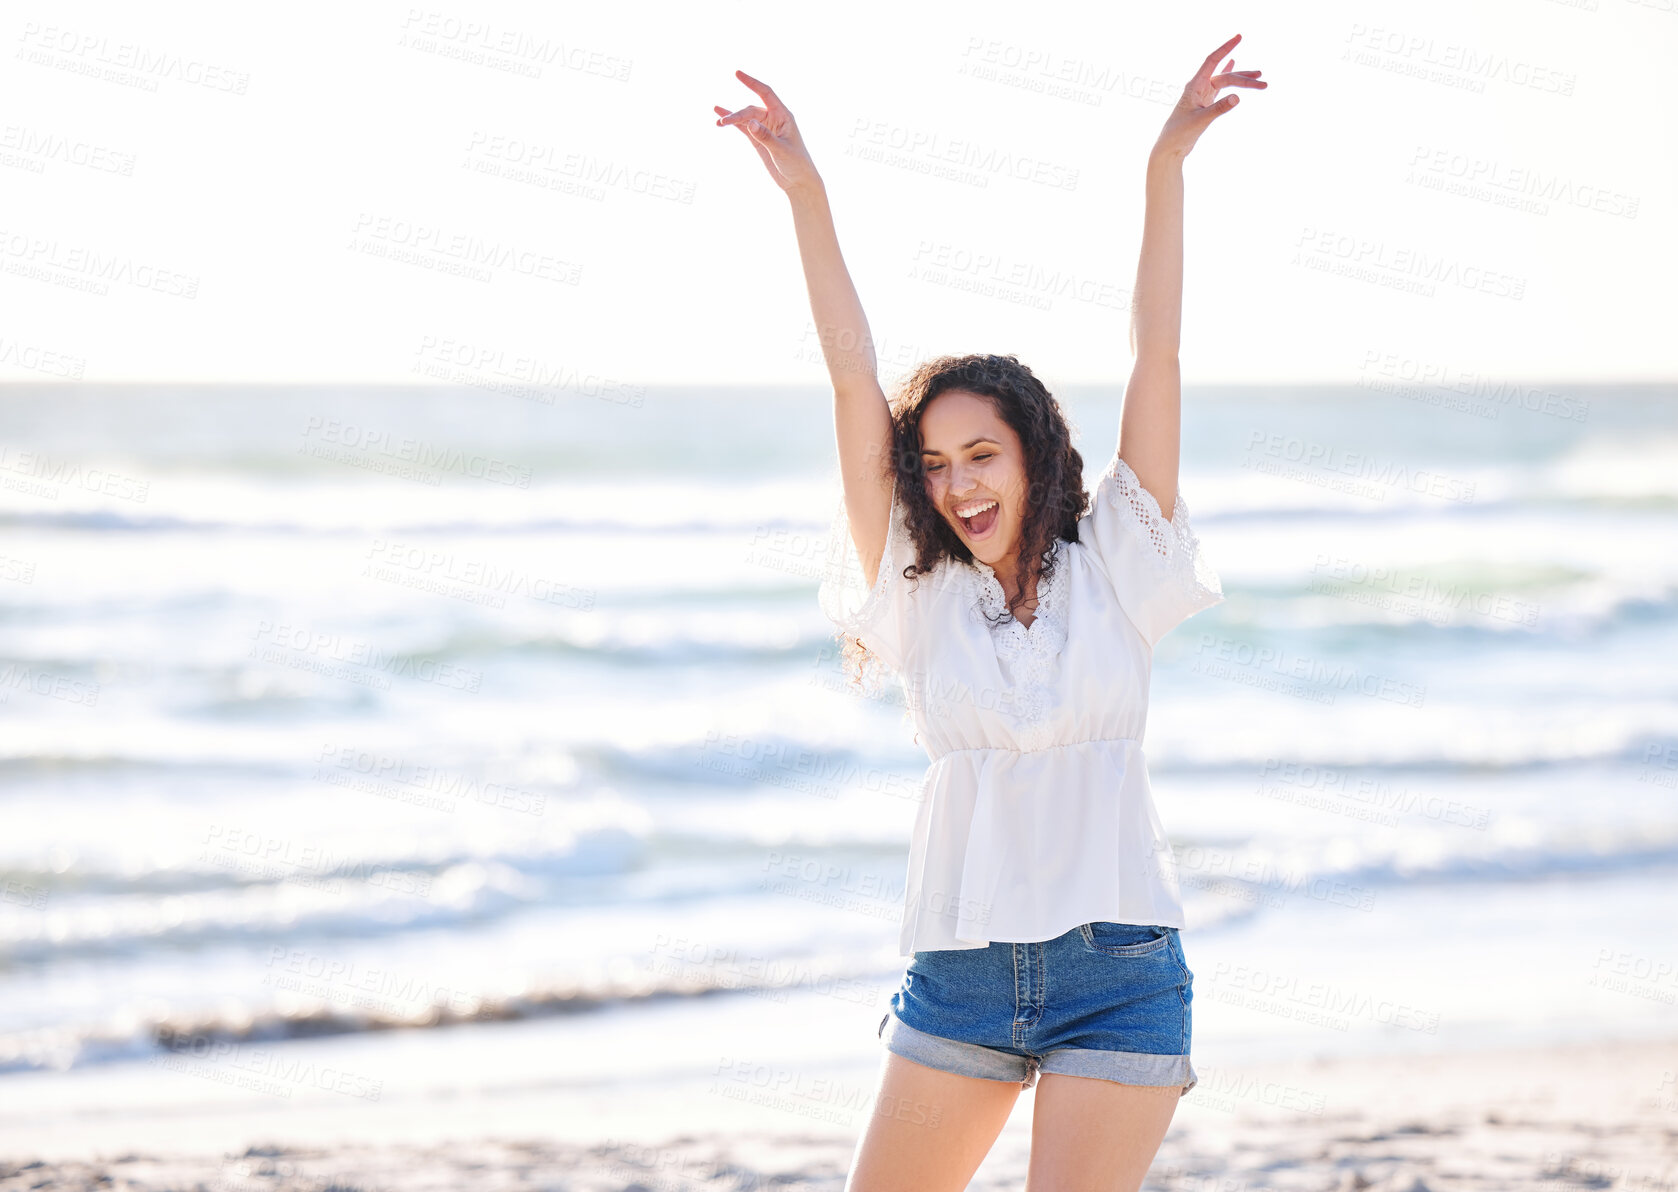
<point>807,191</point>
<point>1165,157</point>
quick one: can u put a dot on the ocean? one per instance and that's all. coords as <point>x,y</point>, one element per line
<point>500,730</point>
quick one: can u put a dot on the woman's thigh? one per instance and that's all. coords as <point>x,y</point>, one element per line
<point>929,1130</point>
<point>1094,1135</point>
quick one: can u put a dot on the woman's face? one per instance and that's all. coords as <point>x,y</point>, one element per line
<point>973,459</point>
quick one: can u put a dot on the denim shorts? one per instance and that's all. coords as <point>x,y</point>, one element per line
<point>1109,1000</point>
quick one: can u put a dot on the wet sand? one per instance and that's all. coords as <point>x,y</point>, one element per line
<point>1587,1116</point>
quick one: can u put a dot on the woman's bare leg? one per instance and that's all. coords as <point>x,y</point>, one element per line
<point>930,1129</point>
<point>1093,1135</point>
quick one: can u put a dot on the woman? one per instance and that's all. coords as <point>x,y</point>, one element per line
<point>1041,909</point>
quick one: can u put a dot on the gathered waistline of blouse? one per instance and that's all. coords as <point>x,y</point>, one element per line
<point>1045,749</point>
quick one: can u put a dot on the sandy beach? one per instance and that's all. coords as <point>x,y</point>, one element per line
<point>1584,1116</point>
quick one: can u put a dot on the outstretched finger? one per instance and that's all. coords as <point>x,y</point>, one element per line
<point>747,113</point>
<point>1241,78</point>
<point>764,91</point>
<point>1206,67</point>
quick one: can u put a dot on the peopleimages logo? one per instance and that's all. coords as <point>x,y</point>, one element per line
<point>98,56</point>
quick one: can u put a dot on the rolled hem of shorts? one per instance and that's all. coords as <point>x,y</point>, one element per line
<point>952,1055</point>
<point>1125,1067</point>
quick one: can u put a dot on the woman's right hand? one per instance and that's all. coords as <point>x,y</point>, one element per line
<point>774,135</point>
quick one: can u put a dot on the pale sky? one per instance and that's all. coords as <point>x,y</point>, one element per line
<point>291,194</point>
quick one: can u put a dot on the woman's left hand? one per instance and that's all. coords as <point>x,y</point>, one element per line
<point>1200,104</point>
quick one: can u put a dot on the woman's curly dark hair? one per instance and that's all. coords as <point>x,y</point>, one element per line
<point>1055,496</point>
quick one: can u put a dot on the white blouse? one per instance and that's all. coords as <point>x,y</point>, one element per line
<point>1036,813</point>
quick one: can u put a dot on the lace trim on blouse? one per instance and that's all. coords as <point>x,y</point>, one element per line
<point>1174,547</point>
<point>1029,650</point>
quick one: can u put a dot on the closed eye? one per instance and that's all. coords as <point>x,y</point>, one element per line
<point>981,455</point>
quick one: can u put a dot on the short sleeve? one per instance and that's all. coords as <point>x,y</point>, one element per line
<point>877,615</point>
<point>1156,566</point>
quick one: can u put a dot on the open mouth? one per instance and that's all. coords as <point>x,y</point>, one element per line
<point>982,522</point>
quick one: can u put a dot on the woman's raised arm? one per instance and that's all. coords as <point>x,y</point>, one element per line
<point>1151,426</point>
<point>861,416</point>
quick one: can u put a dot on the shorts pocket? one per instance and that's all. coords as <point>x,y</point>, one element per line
<point>1125,939</point>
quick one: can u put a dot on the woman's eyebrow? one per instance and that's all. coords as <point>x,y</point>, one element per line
<point>964,446</point>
